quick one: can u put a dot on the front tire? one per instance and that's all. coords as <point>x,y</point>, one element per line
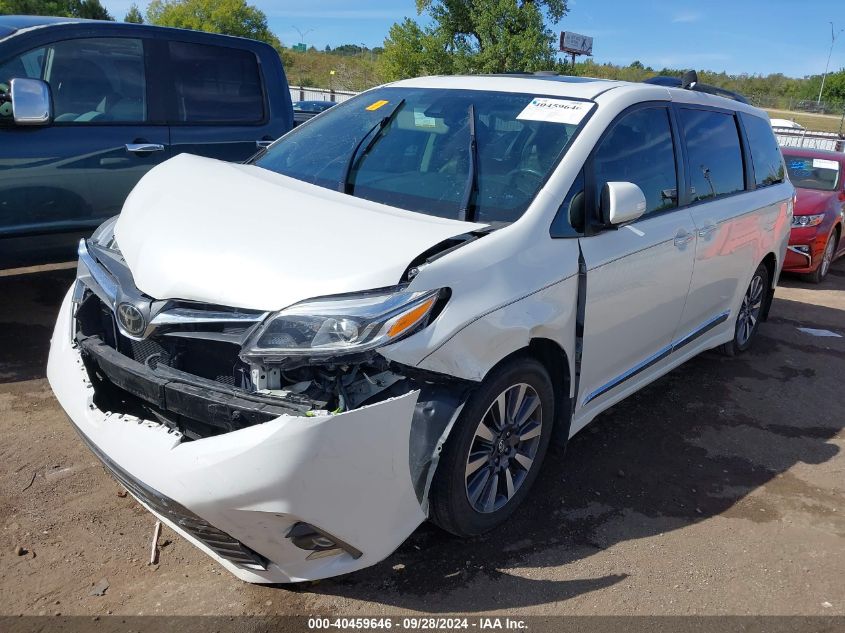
<point>750,312</point>
<point>818,275</point>
<point>494,453</point>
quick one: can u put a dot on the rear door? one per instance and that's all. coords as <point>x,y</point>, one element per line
<point>637,276</point>
<point>728,221</point>
<point>68,176</point>
<point>219,106</point>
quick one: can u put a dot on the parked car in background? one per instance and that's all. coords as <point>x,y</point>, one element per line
<point>786,123</point>
<point>89,107</point>
<point>304,110</point>
<point>816,237</point>
<point>421,288</point>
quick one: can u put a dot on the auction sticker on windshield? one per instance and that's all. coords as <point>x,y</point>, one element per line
<point>555,110</point>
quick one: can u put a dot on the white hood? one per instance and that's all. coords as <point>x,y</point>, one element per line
<point>238,235</point>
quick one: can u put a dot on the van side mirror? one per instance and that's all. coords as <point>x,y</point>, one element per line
<point>621,202</point>
<point>31,103</point>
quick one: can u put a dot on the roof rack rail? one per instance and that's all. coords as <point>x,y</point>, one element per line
<point>690,82</point>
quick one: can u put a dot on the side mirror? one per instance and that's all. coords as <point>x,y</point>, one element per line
<point>621,202</point>
<point>31,104</point>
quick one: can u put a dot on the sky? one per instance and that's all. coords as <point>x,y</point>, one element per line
<point>737,36</point>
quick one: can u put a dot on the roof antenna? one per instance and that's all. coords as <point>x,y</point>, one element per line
<point>689,80</point>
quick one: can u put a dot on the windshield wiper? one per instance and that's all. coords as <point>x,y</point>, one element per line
<point>467,209</point>
<point>344,186</point>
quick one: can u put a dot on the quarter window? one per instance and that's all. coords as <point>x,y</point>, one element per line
<point>216,84</point>
<point>569,221</point>
<point>715,155</point>
<point>639,149</point>
<point>765,153</point>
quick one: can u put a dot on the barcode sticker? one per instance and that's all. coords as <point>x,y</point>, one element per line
<point>555,111</point>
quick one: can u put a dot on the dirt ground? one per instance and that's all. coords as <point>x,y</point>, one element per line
<point>719,489</point>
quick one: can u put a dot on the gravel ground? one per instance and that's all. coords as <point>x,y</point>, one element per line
<point>716,490</point>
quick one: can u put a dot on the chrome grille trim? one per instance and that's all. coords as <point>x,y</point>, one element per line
<point>110,279</point>
<point>186,316</point>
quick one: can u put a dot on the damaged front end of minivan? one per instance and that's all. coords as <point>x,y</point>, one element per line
<point>282,444</point>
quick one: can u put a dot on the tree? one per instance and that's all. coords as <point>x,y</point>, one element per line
<point>230,17</point>
<point>411,51</point>
<point>90,9</point>
<point>474,36</point>
<point>134,15</point>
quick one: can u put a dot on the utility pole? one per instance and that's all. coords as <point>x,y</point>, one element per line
<point>833,36</point>
<point>304,34</point>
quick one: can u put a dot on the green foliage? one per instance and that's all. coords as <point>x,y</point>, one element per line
<point>134,16</point>
<point>230,17</point>
<point>90,9</point>
<point>772,91</point>
<point>411,51</point>
<point>313,68</point>
<point>473,36</point>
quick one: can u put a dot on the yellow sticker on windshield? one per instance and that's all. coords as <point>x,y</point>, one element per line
<point>376,105</point>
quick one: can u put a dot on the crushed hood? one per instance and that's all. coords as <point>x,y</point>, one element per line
<point>238,235</point>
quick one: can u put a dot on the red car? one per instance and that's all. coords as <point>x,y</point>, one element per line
<point>815,240</point>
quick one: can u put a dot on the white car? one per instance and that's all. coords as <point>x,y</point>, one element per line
<point>389,314</point>
<point>786,123</point>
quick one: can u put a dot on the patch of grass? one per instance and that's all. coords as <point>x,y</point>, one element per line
<point>814,122</point>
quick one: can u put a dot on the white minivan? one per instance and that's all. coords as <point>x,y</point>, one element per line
<point>390,313</point>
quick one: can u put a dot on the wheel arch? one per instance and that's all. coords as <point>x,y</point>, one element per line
<point>771,263</point>
<point>554,359</point>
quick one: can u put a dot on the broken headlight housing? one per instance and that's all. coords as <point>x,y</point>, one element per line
<point>342,324</point>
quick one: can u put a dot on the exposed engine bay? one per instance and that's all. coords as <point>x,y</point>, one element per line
<point>188,370</point>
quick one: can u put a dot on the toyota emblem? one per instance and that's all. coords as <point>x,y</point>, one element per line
<point>131,319</point>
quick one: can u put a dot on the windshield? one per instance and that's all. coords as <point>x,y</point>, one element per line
<point>412,149</point>
<point>813,173</point>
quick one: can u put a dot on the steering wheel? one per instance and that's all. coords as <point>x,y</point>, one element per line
<point>525,180</point>
<point>5,101</point>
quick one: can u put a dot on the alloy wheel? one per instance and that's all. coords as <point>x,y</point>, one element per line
<point>749,311</point>
<point>504,448</point>
<point>827,258</point>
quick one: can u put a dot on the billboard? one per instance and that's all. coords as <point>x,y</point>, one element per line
<point>575,43</point>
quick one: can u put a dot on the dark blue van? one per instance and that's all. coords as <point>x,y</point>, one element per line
<point>87,107</point>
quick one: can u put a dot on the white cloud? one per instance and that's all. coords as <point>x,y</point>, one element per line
<point>687,17</point>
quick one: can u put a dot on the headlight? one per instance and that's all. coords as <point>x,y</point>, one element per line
<point>342,324</point>
<point>804,221</point>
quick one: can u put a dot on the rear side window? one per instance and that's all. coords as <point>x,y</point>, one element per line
<point>639,149</point>
<point>715,156</point>
<point>765,153</point>
<point>215,84</point>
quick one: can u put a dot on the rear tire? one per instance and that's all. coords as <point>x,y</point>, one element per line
<point>489,462</point>
<point>750,313</point>
<point>818,275</point>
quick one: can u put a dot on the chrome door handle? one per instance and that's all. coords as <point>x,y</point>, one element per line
<point>263,143</point>
<point>683,238</point>
<point>144,148</point>
<point>707,230</point>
